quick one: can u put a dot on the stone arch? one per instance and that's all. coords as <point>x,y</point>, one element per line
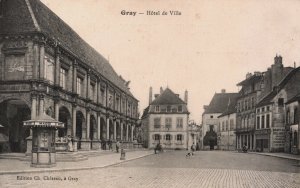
<point>103,130</point>
<point>93,128</point>
<point>118,126</point>
<point>65,117</point>
<point>80,127</point>
<point>12,114</point>
<point>50,112</point>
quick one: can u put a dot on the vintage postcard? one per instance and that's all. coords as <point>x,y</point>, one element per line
<point>149,93</point>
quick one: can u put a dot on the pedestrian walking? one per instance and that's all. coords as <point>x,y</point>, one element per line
<point>117,146</point>
<point>193,148</point>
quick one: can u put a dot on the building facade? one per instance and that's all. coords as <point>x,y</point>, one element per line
<point>276,115</point>
<point>292,141</point>
<point>45,67</point>
<point>165,120</point>
<point>227,126</point>
<point>210,119</point>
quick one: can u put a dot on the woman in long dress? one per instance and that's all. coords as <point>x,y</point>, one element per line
<point>70,145</point>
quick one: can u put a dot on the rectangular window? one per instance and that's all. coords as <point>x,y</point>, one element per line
<point>258,122</point>
<point>223,126</point>
<point>49,68</point>
<point>280,102</point>
<point>179,108</point>
<point>79,86</point>
<point>102,92</point>
<point>168,123</point>
<point>168,137</point>
<point>179,122</point>
<point>226,125</point>
<point>179,137</point>
<point>231,124</point>
<point>156,137</point>
<point>156,108</point>
<point>63,77</point>
<point>268,121</point>
<point>168,108</point>
<point>157,123</point>
<point>262,122</point>
<point>92,91</point>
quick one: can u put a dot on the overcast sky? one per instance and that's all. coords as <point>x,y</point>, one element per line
<point>210,46</point>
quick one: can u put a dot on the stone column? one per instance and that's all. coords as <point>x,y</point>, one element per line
<point>127,132</point>
<point>97,91</point>
<point>33,106</point>
<point>35,62</point>
<point>56,115</point>
<point>88,85</point>
<point>85,141</point>
<point>107,128</point>
<point>121,124</point>
<point>132,128</point>
<point>99,126</point>
<point>88,121</point>
<point>41,107</point>
<point>115,129</point>
<point>250,142</point>
<point>74,76</point>
<point>57,67</point>
<point>42,64</point>
<point>74,121</point>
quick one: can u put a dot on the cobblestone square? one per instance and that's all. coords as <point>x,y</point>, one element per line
<point>174,169</point>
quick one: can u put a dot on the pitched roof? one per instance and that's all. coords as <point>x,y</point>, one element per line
<point>231,107</point>
<point>167,97</point>
<point>27,16</point>
<point>253,79</point>
<point>268,98</point>
<point>219,102</point>
<point>145,112</point>
<point>293,99</point>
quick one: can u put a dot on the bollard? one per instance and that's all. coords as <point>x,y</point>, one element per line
<point>122,154</point>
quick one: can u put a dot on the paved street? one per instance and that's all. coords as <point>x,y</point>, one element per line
<point>205,169</point>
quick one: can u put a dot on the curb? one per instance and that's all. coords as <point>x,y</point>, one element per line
<point>73,169</point>
<point>278,156</point>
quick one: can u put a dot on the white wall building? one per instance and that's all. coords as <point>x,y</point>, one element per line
<point>165,121</point>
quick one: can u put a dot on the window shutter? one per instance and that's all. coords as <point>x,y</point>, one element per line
<point>182,137</point>
<point>171,137</point>
<point>153,136</point>
<point>164,137</point>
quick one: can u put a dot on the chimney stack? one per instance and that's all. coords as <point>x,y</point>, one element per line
<point>150,95</point>
<point>186,96</point>
<point>161,90</point>
<point>223,91</point>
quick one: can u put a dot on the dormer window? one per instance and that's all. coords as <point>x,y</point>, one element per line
<point>168,108</point>
<point>179,108</point>
<point>156,108</point>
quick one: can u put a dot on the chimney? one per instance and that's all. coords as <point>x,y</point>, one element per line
<point>150,95</point>
<point>277,59</point>
<point>248,75</point>
<point>161,90</point>
<point>186,96</point>
<point>276,71</point>
<point>156,95</point>
<point>223,91</point>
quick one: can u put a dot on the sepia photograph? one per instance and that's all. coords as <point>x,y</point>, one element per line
<point>150,93</point>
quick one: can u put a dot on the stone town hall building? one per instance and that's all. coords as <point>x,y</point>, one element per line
<point>46,67</point>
